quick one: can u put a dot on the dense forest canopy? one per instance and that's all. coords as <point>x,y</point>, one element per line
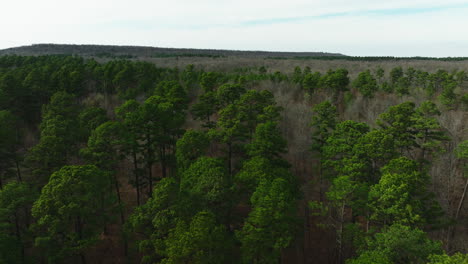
<point>127,162</point>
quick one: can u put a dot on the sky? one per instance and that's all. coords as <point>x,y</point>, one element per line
<point>356,28</point>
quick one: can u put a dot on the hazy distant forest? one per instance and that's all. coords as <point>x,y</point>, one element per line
<point>187,159</point>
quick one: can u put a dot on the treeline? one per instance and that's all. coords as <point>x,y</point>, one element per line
<point>201,55</point>
<point>447,88</point>
<point>144,51</point>
<point>367,58</point>
<point>222,193</point>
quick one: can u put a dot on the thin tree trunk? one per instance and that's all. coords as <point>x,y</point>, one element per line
<point>149,164</point>
<point>449,198</point>
<point>150,178</point>
<point>229,159</point>
<point>78,229</point>
<point>18,236</point>
<point>137,178</point>
<point>83,258</point>
<point>122,217</point>
<point>163,160</point>
<point>367,221</point>
<point>340,235</point>
<point>320,180</point>
<point>119,200</point>
<point>18,171</point>
<point>460,204</point>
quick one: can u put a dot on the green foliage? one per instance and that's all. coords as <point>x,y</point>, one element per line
<point>297,75</point>
<point>380,73</point>
<point>257,107</point>
<point>337,152</point>
<point>402,86</point>
<point>230,131</point>
<point>375,149</point>
<point>15,201</point>
<point>90,118</point>
<point>61,103</point>
<point>189,76</point>
<point>398,197</point>
<point>457,258</point>
<point>413,127</point>
<point>152,129</point>
<point>155,219</point>
<point>343,191</point>
<point>371,257</point>
<point>103,145</point>
<point>201,241</point>
<point>336,80</point>
<point>429,134</point>
<point>437,82</point>
<point>9,143</point>
<point>448,97</point>
<point>60,135</point>
<point>270,225</point>
<point>464,101</point>
<point>71,210</point>
<point>229,93</point>
<point>208,81</point>
<point>462,150</point>
<point>311,82</point>
<point>462,153</point>
<point>398,244</point>
<point>259,168</point>
<point>278,77</point>
<point>411,75</point>
<point>207,105</point>
<point>172,235</point>
<point>173,92</point>
<point>386,87</point>
<point>395,75</point>
<point>206,181</point>
<point>397,121</point>
<point>192,145</point>
<point>324,121</point>
<point>366,84</point>
<point>267,142</point>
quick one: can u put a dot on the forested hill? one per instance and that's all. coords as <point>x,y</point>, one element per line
<point>148,52</point>
<point>232,160</point>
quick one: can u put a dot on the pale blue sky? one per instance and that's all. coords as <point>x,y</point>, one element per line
<point>359,27</point>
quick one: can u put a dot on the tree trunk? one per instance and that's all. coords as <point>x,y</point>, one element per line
<point>83,258</point>
<point>18,171</point>
<point>149,164</point>
<point>320,180</point>
<point>79,230</point>
<point>137,178</point>
<point>150,178</point>
<point>229,159</point>
<point>451,231</point>
<point>122,216</point>
<point>460,204</point>
<point>18,236</point>
<point>163,160</point>
<point>119,200</point>
<point>340,234</point>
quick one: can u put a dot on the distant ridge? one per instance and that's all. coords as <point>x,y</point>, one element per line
<point>144,51</point>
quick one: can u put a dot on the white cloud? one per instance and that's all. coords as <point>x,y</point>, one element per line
<point>245,24</point>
